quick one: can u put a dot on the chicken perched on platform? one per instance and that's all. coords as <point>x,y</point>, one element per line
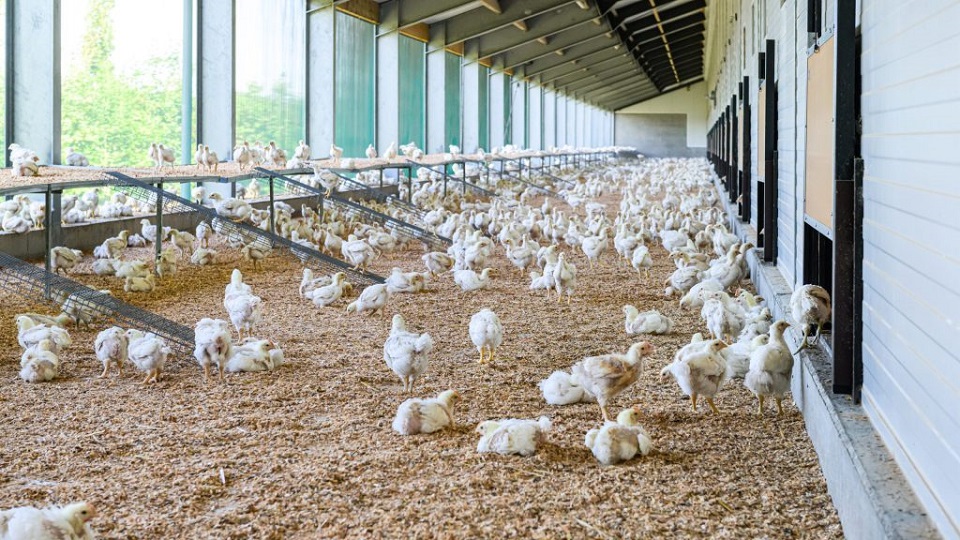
<point>417,415</point>
<point>407,353</point>
<point>771,368</point>
<point>148,352</point>
<point>562,388</point>
<point>810,305</point>
<point>607,375</point>
<point>512,436</point>
<point>214,344</point>
<point>700,370</point>
<point>486,332</point>
<point>70,522</point>
<point>111,349</point>
<point>231,208</point>
<point>302,152</point>
<point>648,322</point>
<point>64,258</point>
<point>76,159</point>
<point>619,441</point>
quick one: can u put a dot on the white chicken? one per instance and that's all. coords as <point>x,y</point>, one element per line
<point>40,363</point>
<point>648,322</point>
<point>562,388</point>
<point>372,299</point>
<point>405,282</point>
<point>328,294</point>
<point>149,231</point>
<point>700,370</point>
<point>738,355</point>
<point>695,296</point>
<point>486,333</point>
<point>595,246</point>
<point>564,278</point>
<point>204,234</point>
<point>771,368</point>
<point>136,284</point>
<point>469,281</point>
<point>183,241</point>
<point>437,262</point>
<point>213,345</point>
<point>512,436</point>
<point>243,307</point>
<point>52,523</point>
<point>641,261</point>
<point>255,355</point>
<point>417,415</point>
<point>204,257</point>
<point>64,258</point>
<point>407,353</point>
<point>371,152</point>
<point>358,252</point>
<point>255,254</point>
<point>605,376</point>
<point>76,159</point>
<point>231,208</point>
<point>619,441</point>
<point>810,305</point>
<point>724,317</point>
<point>30,332</point>
<point>302,152</point>
<point>148,352</point>
<point>335,153</point>
<point>111,349</point>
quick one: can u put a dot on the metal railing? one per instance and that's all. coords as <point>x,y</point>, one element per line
<point>240,231</point>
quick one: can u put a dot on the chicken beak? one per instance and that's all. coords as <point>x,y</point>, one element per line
<point>723,345</point>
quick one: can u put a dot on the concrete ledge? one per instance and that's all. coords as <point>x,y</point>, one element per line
<point>869,490</point>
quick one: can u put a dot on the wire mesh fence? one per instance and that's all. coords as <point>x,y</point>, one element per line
<point>241,232</point>
<point>85,305</point>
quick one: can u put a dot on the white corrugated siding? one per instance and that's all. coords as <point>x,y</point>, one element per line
<point>911,300</point>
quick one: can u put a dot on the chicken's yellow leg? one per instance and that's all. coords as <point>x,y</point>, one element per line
<point>603,411</point>
<point>779,406</point>
<point>105,368</point>
<point>491,353</point>
<point>206,372</point>
<point>481,354</point>
<point>760,407</point>
<point>693,401</point>
<point>713,406</point>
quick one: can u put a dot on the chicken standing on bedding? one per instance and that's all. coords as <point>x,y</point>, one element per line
<point>700,370</point>
<point>607,375</point>
<point>407,353</point>
<point>111,349</point>
<point>771,368</point>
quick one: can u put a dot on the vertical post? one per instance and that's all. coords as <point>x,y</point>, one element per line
<point>186,96</point>
<point>47,236</point>
<point>158,244</point>
<point>273,217</point>
<point>770,181</point>
<point>746,179</point>
<point>846,311</point>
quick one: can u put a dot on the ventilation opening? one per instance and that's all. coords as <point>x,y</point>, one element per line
<point>818,261</point>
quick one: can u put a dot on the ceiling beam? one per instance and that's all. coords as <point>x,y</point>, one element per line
<point>616,59</point>
<point>539,27</point>
<point>595,85</point>
<point>595,59</point>
<point>637,81</point>
<point>590,74</point>
<point>528,53</point>
<point>634,85</point>
<point>613,93</point>
<point>492,5</point>
<point>472,25</point>
<point>571,54</point>
<point>417,12</point>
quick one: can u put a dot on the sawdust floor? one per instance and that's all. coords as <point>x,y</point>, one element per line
<point>308,452</point>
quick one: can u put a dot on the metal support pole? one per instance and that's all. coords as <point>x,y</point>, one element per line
<point>273,217</point>
<point>48,231</point>
<point>158,241</point>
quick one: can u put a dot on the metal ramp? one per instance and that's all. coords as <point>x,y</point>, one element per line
<point>482,191</point>
<point>239,231</point>
<point>353,209</point>
<point>25,279</point>
<point>413,210</point>
<point>541,171</point>
<point>515,178</point>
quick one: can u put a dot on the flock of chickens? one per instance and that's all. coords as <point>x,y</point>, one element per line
<point>668,201</point>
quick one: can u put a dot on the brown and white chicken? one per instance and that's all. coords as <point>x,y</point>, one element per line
<point>608,375</point>
<point>52,523</point>
<point>700,370</point>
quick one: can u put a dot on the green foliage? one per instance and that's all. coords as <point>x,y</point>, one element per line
<point>98,40</point>
<point>277,116</point>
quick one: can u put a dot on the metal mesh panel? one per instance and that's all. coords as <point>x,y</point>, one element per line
<point>30,281</point>
<point>244,232</point>
<point>353,209</point>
